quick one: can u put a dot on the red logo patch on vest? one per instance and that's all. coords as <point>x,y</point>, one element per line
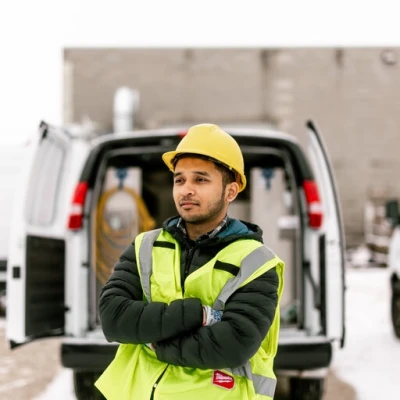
<point>223,380</point>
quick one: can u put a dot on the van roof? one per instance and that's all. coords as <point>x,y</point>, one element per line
<point>165,139</point>
<point>167,132</point>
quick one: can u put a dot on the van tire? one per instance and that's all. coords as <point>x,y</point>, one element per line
<point>396,308</point>
<point>306,389</point>
<point>84,385</point>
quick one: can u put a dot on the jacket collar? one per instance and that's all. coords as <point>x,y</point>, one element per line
<point>233,228</point>
<point>209,235</point>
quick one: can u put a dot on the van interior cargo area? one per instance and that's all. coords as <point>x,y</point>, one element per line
<point>133,192</point>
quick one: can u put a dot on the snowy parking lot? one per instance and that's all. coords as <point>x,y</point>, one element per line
<point>366,369</point>
<point>370,361</point>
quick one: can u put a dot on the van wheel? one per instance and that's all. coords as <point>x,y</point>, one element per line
<point>306,389</point>
<point>396,308</point>
<point>84,385</point>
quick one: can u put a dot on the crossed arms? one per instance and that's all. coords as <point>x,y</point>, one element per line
<point>177,330</point>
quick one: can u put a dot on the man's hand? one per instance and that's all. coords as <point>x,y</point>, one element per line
<point>211,316</point>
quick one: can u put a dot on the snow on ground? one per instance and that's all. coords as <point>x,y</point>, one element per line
<point>61,388</point>
<point>370,361</point>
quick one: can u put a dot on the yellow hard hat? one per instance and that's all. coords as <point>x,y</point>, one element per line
<point>211,141</point>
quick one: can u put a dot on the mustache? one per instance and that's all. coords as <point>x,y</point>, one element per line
<point>188,200</point>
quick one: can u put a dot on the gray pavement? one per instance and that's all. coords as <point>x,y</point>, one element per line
<point>27,370</point>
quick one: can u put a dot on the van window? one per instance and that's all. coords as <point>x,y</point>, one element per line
<point>44,183</point>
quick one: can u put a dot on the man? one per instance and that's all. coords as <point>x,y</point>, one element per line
<point>195,304</point>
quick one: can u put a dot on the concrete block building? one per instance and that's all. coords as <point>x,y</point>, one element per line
<point>353,94</point>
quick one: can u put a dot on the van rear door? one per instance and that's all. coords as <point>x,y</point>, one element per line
<point>331,241</point>
<point>35,271</point>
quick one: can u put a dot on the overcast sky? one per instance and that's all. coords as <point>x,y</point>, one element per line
<point>34,34</point>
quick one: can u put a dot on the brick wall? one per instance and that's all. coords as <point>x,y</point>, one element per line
<point>351,93</point>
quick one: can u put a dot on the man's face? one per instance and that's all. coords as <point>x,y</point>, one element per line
<point>198,192</point>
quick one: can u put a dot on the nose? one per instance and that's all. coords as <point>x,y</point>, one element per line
<point>187,189</point>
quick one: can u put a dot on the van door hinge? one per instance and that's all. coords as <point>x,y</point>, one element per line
<point>16,272</point>
<point>43,129</point>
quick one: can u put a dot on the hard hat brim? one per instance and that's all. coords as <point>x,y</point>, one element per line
<point>169,156</point>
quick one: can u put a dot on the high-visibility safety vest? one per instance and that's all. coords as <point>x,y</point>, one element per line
<point>135,371</point>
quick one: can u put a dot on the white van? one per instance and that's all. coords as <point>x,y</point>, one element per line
<point>83,201</point>
<point>11,161</point>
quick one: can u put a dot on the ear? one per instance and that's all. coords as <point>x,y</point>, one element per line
<point>232,190</point>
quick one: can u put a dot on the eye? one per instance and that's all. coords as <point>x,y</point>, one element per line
<point>177,181</point>
<point>201,180</point>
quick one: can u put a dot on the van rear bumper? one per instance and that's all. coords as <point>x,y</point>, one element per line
<point>87,356</point>
<point>303,356</point>
<point>291,356</point>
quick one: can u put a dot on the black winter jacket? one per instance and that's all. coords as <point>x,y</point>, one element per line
<point>176,329</point>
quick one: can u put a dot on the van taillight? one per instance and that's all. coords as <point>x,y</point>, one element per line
<point>78,202</point>
<point>314,206</point>
<point>182,134</point>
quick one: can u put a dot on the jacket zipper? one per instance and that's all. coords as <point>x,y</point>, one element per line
<point>188,260</point>
<point>186,270</point>
<point>156,383</point>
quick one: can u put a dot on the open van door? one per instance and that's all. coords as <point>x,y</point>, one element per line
<point>331,242</point>
<point>35,270</point>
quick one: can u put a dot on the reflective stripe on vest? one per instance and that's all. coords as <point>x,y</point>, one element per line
<point>250,264</point>
<point>263,385</point>
<point>146,260</point>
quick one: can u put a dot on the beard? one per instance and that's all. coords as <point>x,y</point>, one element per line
<point>213,209</point>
